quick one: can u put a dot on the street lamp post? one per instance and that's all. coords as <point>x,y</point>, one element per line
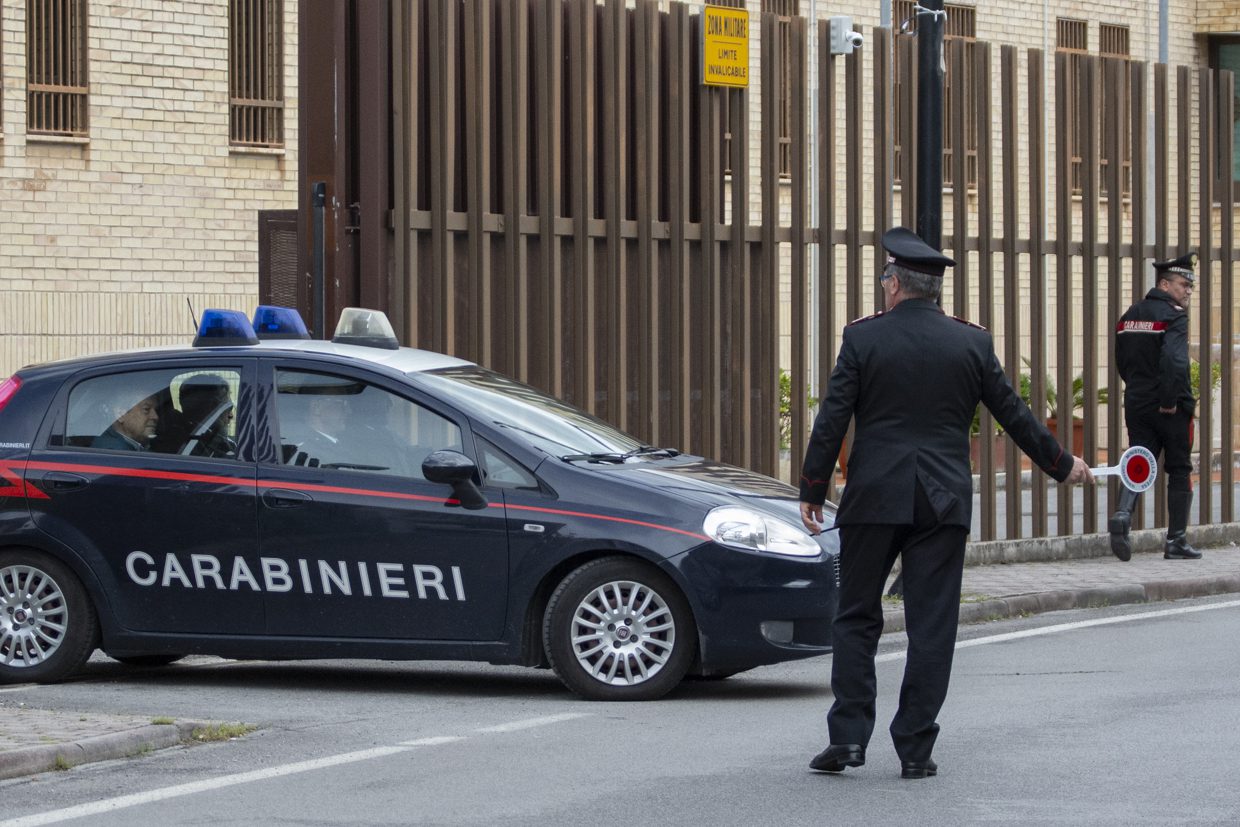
<point>930,18</point>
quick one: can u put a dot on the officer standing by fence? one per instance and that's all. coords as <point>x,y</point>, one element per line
<point>912,378</point>
<point>1151,349</point>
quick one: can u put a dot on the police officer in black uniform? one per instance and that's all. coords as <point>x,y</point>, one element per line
<point>1151,349</point>
<point>912,378</point>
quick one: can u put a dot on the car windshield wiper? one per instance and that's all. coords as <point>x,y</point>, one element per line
<point>619,457</point>
<point>647,450</point>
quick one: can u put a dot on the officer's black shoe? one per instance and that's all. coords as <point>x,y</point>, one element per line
<point>838,756</point>
<point>1177,548</point>
<point>1121,545</point>
<point>918,769</point>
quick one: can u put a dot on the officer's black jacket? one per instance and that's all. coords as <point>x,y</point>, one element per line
<point>1151,350</point>
<point>913,377</point>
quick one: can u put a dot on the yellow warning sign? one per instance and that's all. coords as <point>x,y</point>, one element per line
<point>725,46</point>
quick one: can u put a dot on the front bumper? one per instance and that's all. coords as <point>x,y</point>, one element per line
<point>754,609</point>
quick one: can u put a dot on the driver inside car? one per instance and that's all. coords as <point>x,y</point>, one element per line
<point>203,423</point>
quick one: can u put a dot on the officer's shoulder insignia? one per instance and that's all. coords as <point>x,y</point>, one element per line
<point>969,323</point>
<point>866,318</point>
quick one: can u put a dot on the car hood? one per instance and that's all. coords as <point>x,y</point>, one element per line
<point>712,484</point>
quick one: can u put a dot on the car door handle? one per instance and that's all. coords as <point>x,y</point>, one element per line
<point>61,481</point>
<point>283,498</point>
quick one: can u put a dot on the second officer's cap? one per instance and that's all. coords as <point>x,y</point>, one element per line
<point>1182,266</point>
<point>906,249</point>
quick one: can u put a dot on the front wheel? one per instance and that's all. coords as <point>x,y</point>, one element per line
<point>48,627</point>
<point>617,629</point>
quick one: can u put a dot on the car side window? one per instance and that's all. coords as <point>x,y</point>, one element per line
<point>501,470</point>
<point>179,412</point>
<point>329,421</point>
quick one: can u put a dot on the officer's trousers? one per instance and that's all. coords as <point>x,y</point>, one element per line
<point>932,556</point>
<point>1169,437</point>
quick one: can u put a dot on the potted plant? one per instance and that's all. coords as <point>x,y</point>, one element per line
<point>1025,390</point>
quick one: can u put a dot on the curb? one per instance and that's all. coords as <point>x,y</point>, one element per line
<point>1082,546</point>
<point>31,760</point>
<point>1041,602</point>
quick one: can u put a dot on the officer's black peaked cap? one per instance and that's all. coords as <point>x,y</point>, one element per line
<point>908,250</point>
<point>1182,266</point>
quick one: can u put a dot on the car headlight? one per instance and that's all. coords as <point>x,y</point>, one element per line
<point>754,531</point>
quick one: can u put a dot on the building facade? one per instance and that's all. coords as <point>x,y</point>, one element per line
<point>140,140</point>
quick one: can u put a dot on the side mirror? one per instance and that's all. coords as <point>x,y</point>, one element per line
<point>455,469</point>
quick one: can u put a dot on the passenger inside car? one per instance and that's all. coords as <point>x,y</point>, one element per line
<point>133,429</point>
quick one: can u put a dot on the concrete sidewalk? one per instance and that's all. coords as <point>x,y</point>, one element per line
<point>1001,579</point>
<point>1006,579</point>
<point>39,740</point>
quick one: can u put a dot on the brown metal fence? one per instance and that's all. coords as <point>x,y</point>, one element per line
<point>563,215</point>
<point>567,219</point>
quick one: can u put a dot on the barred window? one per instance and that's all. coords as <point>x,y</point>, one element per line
<point>1072,39</point>
<point>786,9</point>
<point>1114,46</point>
<point>57,86</point>
<point>1225,55</point>
<point>256,73</point>
<point>960,32</point>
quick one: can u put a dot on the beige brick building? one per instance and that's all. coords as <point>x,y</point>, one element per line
<point>139,188</point>
<point>153,197</point>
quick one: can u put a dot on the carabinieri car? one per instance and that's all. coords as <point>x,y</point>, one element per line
<point>295,498</point>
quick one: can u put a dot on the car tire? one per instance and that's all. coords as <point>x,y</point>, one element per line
<point>48,626</point>
<point>617,629</point>
<point>146,660</point>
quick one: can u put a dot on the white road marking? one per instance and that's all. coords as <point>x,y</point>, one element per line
<point>121,802</point>
<point>1069,627</point>
<point>433,741</point>
<point>150,796</point>
<point>533,722</point>
<point>21,687</point>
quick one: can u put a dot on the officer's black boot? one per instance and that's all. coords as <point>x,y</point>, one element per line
<point>1121,520</point>
<point>1177,547</point>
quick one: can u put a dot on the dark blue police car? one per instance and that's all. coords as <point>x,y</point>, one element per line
<point>293,498</point>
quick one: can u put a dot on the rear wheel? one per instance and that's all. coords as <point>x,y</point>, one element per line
<point>617,629</point>
<point>48,627</point>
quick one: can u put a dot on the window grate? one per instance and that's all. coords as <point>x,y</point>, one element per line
<point>1071,35</point>
<point>1072,38</point>
<point>57,85</point>
<point>1114,40</point>
<point>786,10</point>
<point>1113,45</point>
<point>256,73</point>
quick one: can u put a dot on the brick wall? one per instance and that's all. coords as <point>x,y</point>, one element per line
<point>105,239</point>
<point>1217,17</point>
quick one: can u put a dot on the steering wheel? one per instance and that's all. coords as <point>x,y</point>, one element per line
<point>204,428</point>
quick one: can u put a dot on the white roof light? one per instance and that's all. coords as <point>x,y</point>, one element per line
<point>369,328</point>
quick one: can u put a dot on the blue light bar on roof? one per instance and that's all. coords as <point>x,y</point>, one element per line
<point>272,322</point>
<point>222,328</point>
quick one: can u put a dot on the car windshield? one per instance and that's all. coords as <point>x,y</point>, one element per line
<point>530,415</point>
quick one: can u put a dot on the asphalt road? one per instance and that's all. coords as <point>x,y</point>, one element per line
<point>1133,719</point>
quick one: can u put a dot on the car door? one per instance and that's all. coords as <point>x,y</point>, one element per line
<point>355,541</point>
<point>168,527</point>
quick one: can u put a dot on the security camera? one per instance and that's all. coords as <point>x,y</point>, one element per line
<point>843,38</point>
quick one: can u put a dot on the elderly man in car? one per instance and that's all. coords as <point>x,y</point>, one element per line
<point>133,429</point>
